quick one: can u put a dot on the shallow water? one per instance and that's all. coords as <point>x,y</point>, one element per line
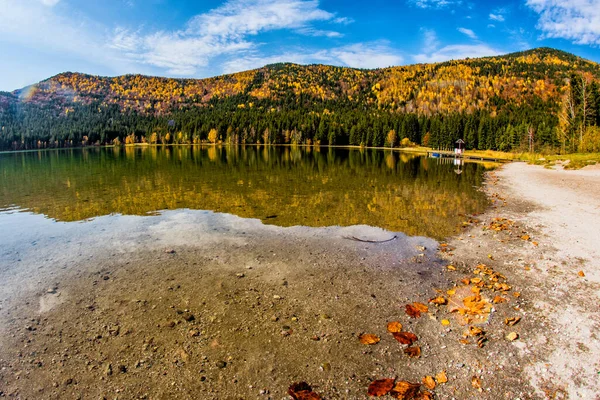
<point>282,186</point>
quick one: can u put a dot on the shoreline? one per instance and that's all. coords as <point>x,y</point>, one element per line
<point>281,305</point>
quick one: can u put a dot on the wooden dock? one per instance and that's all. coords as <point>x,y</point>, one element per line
<point>451,154</point>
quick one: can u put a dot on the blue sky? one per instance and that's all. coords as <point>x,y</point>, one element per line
<point>185,38</point>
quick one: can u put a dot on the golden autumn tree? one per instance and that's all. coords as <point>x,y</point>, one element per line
<point>212,136</point>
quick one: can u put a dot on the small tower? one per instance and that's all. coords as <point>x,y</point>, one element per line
<point>459,149</point>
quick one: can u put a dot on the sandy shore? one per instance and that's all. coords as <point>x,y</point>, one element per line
<point>197,305</point>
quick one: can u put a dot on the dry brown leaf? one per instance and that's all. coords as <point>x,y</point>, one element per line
<point>413,352</point>
<point>464,341</point>
<point>424,396</point>
<point>581,274</point>
<point>525,237</point>
<point>439,301</point>
<point>405,390</point>
<point>380,387</point>
<point>441,377</point>
<point>499,299</point>
<point>405,337</point>
<point>302,391</point>
<point>512,336</point>
<point>451,268</point>
<point>369,338</point>
<point>476,383</point>
<point>465,281</point>
<point>429,382</point>
<point>394,327</point>
<point>512,321</point>
<point>412,311</point>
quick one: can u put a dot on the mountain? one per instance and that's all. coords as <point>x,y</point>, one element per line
<point>490,102</point>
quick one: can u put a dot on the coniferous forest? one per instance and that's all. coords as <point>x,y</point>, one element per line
<point>495,103</point>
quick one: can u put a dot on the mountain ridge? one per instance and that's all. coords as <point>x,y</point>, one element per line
<point>443,101</point>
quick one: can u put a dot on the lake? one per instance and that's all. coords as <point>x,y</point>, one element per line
<point>220,272</point>
<point>283,186</point>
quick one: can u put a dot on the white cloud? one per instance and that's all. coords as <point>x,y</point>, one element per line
<point>49,3</point>
<point>574,20</point>
<point>359,55</point>
<point>435,3</point>
<point>468,32</point>
<point>456,52</point>
<point>366,56</point>
<point>496,17</point>
<point>238,18</point>
<point>223,31</point>
<point>430,40</point>
<point>343,20</point>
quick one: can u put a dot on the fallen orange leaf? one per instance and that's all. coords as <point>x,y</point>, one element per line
<point>394,327</point>
<point>421,307</point>
<point>581,274</point>
<point>499,299</point>
<point>414,352</point>
<point>429,382</point>
<point>476,383</point>
<point>369,338</point>
<point>439,301</point>
<point>380,387</point>
<point>405,337</point>
<point>512,321</point>
<point>405,390</point>
<point>441,377</point>
<point>412,311</point>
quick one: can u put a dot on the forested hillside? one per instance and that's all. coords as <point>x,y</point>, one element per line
<point>491,103</point>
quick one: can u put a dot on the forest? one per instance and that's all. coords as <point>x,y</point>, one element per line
<point>495,103</point>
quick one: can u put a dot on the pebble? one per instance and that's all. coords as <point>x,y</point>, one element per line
<point>68,381</point>
<point>325,367</point>
<point>221,364</point>
<point>194,332</point>
<point>108,370</point>
<point>170,251</point>
<point>274,318</point>
<point>240,275</point>
<point>189,317</point>
<point>277,297</point>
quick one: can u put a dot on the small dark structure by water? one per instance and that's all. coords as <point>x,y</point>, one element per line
<point>460,147</point>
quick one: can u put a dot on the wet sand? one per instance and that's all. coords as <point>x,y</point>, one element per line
<point>198,305</point>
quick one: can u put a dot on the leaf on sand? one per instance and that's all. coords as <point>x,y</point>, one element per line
<point>429,382</point>
<point>413,352</point>
<point>405,337</point>
<point>499,299</point>
<point>412,312</point>
<point>512,336</point>
<point>512,321</point>
<point>394,327</point>
<point>525,237</point>
<point>302,391</point>
<point>405,390</point>
<point>476,383</point>
<point>441,377</point>
<point>421,307</point>
<point>581,274</point>
<point>369,338</point>
<point>451,268</point>
<point>425,396</point>
<point>439,301</point>
<point>380,387</point>
<point>445,322</point>
<point>475,331</point>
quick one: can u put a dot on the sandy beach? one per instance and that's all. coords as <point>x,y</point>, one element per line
<point>199,305</point>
